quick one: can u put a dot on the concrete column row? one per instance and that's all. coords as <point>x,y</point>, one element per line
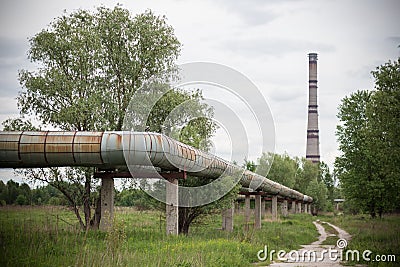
<point>274,208</point>
<point>257,207</point>
<point>107,208</point>
<point>227,219</point>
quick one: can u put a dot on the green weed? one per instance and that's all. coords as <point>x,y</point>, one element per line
<point>50,236</point>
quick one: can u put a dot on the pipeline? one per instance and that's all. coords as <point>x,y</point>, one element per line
<point>108,150</point>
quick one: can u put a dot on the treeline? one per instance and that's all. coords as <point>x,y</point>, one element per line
<point>309,178</point>
<point>13,193</point>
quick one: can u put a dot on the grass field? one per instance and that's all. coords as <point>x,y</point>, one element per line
<point>380,236</point>
<point>48,236</point>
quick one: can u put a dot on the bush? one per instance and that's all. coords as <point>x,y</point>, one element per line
<point>21,200</point>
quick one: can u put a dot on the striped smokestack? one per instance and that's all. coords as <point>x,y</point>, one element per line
<point>312,150</point>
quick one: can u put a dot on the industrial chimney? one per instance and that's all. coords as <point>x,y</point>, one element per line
<point>312,150</point>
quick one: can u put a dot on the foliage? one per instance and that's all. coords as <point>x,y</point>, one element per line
<point>89,66</point>
<point>318,191</point>
<point>21,194</point>
<point>368,168</point>
<point>307,171</point>
<point>249,165</point>
<point>380,236</point>
<point>49,236</point>
<point>299,174</point>
<point>328,179</point>
<point>13,124</point>
<point>283,169</point>
<point>133,197</point>
<point>354,166</point>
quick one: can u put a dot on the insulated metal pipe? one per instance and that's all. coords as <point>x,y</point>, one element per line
<point>114,150</point>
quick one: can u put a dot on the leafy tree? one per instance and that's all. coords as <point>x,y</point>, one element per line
<point>183,116</point>
<point>13,124</point>
<point>318,191</point>
<point>249,165</point>
<point>354,167</point>
<point>90,65</point>
<point>383,142</point>
<point>188,215</point>
<point>368,168</point>
<point>3,193</point>
<point>12,191</point>
<point>299,174</point>
<point>21,200</point>
<point>307,171</point>
<point>133,198</point>
<point>283,169</point>
<point>327,178</point>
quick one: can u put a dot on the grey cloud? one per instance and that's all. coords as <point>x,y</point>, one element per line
<point>274,46</point>
<point>12,58</point>
<point>12,48</point>
<point>287,94</point>
<point>8,105</point>
<point>394,39</point>
<point>253,12</point>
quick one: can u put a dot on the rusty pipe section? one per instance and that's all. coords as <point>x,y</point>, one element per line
<point>116,150</point>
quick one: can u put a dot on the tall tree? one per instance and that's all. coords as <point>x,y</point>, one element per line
<point>307,171</point>
<point>193,127</point>
<point>318,191</point>
<point>354,167</point>
<point>197,133</point>
<point>91,63</point>
<point>383,142</point>
<point>89,66</point>
<point>368,168</point>
<point>327,178</point>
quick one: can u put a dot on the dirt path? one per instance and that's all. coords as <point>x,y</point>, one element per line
<point>307,259</point>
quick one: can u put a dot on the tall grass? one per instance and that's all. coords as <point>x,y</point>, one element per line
<point>380,236</point>
<point>49,236</point>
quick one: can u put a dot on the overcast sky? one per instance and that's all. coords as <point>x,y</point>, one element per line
<point>268,41</point>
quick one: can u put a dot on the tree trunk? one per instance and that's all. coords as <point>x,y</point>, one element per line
<point>186,217</point>
<point>86,200</point>
<point>95,221</point>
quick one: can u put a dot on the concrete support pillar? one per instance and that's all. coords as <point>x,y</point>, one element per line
<point>285,208</point>
<point>269,208</point>
<point>227,218</point>
<point>262,207</point>
<point>293,209</point>
<point>106,203</point>
<point>247,209</point>
<point>171,207</point>
<point>299,207</point>
<point>274,208</point>
<point>257,213</point>
<point>305,208</point>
